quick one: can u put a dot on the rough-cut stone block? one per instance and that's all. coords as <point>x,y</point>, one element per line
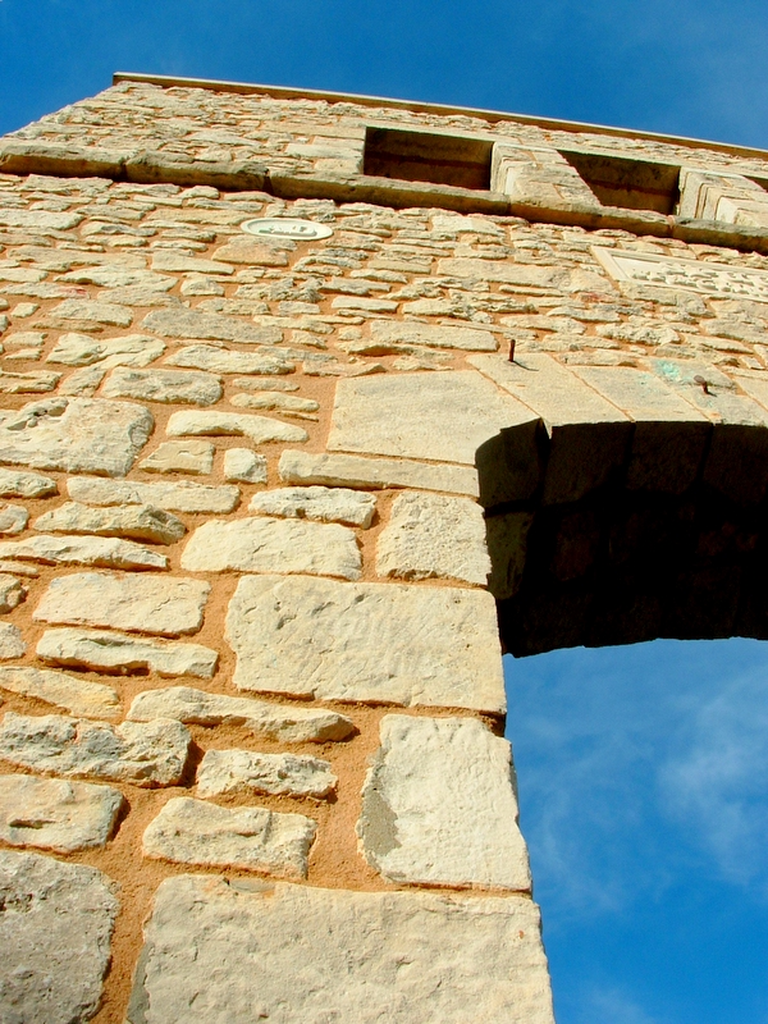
<point>401,957</point>
<point>188,456</point>
<point>245,465</point>
<point>326,504</point>
<point>521,275</point>
<point>266,721</point>
<point>55,935</point>
<point>107,552</point>
<point>259,429</point>
<point>119,277</point>
<point>262,544</point>
<point>440,416</point>
<point>144,753</point>
<point>178,263</point>
<point>222,360</point>
<point>290,405</point>
<point>375,474</point>
<point>52,814</point>
<point>242,771</point>
<point>366,642</point>
<point>88,314</point>
<point>180,322</point>
<point>12,592</point>
<point>16,484</point>
<point>165,605</point>
<point>77,435</point>
<point>13,518</point>
<point>402,332</point>
<point>439,806</point>
<point>189,831</point>
<point>181,496</point>
<point>138,522</point>
<point>12,643</point>
<point>433,535</point>
<point>190,386</point>
<point>80,697</point>
<point>82,350</point>
<point>122,654</point>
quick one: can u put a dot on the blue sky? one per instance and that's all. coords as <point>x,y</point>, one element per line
<point>643,771</point>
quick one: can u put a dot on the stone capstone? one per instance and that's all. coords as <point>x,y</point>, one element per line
<point>80,697</point>
<point>163,386</point>
<point>241,771</point>
<point>122,654</point>
<point>137,522</point>
<point>178,496</point>
<point>327,504</point>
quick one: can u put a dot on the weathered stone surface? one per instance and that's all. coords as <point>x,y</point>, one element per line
<point>86,312</point>
<point>166,605</point>
<point>83,383</point>
<point>83,350</point>
<point>121,654</point>
<point>263,544</point>
<point>288,404</point>
<point>439,806</point>
<point>35,382</point>
<point>433,535</point>
<point>12,593</point>
<point>242,771</point>
<point>401,957</point>
<point>403,332</point>
<point>12,643</point>
<point>13,518</point>
<point>251,252</point>
<point>266,721</point>
<point>189,831</point>
<point>213,423</point>
<point>181,264</point>
<point>107,552</point>
<point>138,522</point>
<point>144,753</point>
<point>52,814</point>
<point>78,435</point>
<point>222,360</point>
<point>245,465</point>
<point>17,484</point>
<point>445,417</point>
<point>429,646</point>
<point>188,456</point>
<point>80,697</point>
<point>522,275</point>
<point>327,504</point>
<point>179,496</point>
<point>180,322</point>
<point>55,935</point>
<point>371,474</point>
<point>164,386</point>
<point>119,277</point>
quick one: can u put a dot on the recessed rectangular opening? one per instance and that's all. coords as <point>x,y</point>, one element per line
<point>631,184</point>
<point>422,156</point>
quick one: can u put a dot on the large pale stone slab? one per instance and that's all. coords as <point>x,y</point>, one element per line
<point>366,642</point>
<point>52,814</point>
<point>433,535</point>
<point>263,544</point>
<point>55,935</point>
<point>222,360</point>
<point>167,605</point>
<point>80,697</point>
<point>17,484</point>
<point>138,522</point>
<point>144,753</point>
<point>12,643</point>
<point>187,456</point>
<point>260,429</point>
<point>190,386</point>
<point>129,350</point>
<point>78,435</point>
<point>107,552</point>
<point>287,724</point>
<point>326,504</point>
<point>87,312</point>
<point>242,771</point>
<point>440,416</point>
<point>403,332</point>
<point>121,653</point>
<point>439,806</point>
<point>179,496</point>
<point>189,831</point>
<point>180,322</point>
<point>374,474</point>
<point>400,957</point>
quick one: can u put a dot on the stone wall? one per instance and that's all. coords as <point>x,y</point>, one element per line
<point>251,752</point>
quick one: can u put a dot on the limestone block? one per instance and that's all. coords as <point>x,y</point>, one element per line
<point>444,416</point>
<point>222,360</point>
<point>165,605</point>
<point>181,496</point>
<point>439,806</point>
<point>12,593</point>
<point>422,646</point>
<point>178,263</point>
<point>244,465</point>
<point>83,383</point>
<point>36,382</point>
<point>181,322</point>
<point>107,552</point>
<point>263,544</point>
<point>290,405</point>
<point>39,220</point>
<point>249,251</point>
<point>88,312</point>
<point>265,721</point>
<point>52,814</point>
<point>190,386</point>
<point>188,831</point>
<point>432,535</point>
<point>327,504</point>
<point>13,518</point>
<point>80,697</point>
<point>143,753</point>
<point>259,429</point>
<point>16,484</point>
<point>403,957</point>
<point>129,350</point>
<point>122,654</point>
<point>119,277</point>
<point>77,435</point>
<point>374,474</point>
<point>55,935</point>
<point>242,771</point>
<point>12,643</point>
<point>403,332</point>
<point>138,522</point>
<point>190,456</point>
<point>522,275</point>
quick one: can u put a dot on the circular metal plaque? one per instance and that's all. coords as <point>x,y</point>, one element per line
<point>286,227</point>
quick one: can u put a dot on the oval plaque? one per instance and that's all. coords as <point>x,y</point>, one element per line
<point>286,227</point>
